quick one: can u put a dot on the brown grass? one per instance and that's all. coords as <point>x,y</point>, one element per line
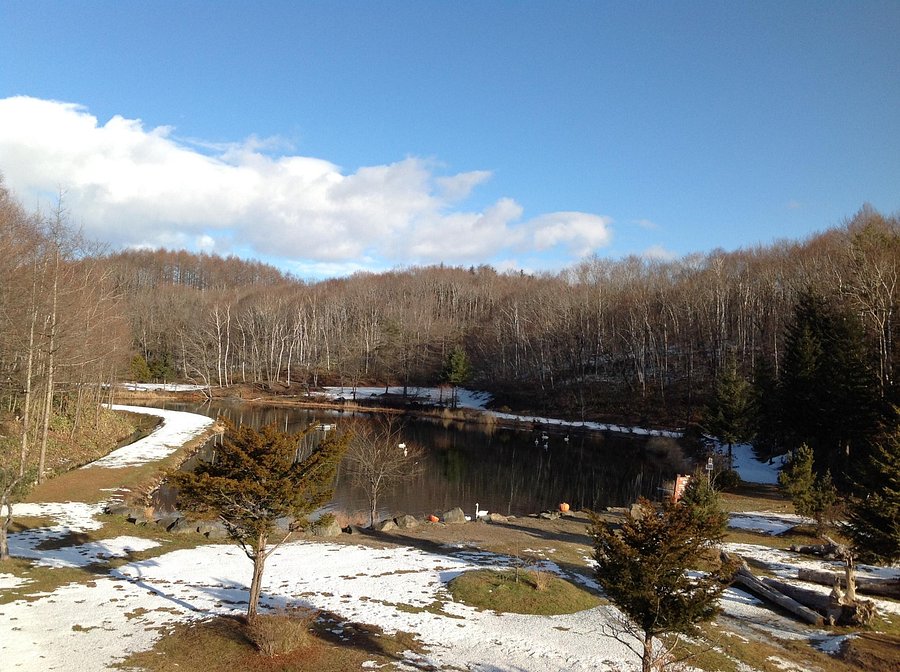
<point>222,644</point>
<point>282,632</point>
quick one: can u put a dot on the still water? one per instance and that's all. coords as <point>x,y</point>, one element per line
<point>513,472</point>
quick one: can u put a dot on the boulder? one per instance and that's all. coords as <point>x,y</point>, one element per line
<point>549,515</point>
<point>325,528</point>
<point>185,526</point>
<point>407,521</point>
<point>496,518</point>
<point>386,525</point>
<point>455,516</point>
<point>168,522</point>
<point>212,530</point>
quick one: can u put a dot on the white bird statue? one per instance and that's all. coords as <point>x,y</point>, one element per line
<point>479,513</point>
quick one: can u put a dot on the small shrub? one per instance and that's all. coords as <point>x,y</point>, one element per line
<point>541,578</point>
<point>282,632</point>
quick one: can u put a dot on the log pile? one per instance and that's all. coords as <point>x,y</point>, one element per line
<point>867,585</point>
<point>810,606</point>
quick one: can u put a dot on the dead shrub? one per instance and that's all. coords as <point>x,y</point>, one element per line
<point>540,578</point>
<point>282,632</point>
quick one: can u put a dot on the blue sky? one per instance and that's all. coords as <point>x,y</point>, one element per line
<point>328,137</point>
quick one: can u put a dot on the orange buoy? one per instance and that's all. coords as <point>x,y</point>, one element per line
<point>563,507</point>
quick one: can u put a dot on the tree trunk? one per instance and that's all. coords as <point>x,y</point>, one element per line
<point>4,527</point>
<point>259,562</point>
<point>647,658</point>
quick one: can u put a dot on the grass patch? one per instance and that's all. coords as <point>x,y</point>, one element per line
<point>223,644</point>
<point>500,591</point>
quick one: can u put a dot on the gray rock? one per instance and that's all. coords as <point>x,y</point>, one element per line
<point>407,521</point>
<point>118,509</point>
<point>185,526</point>
<point>168,522</point>
<point>386,525</point>
<point>327,528</point>
<point>549,515</point>
<point>212,530</point>
<point>455,516</point>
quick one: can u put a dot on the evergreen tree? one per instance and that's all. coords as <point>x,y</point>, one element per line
<point>456,371</point>
<point>643,569</point>
<point>254,480</point>
<point>813,496</point>
<point>140,371</point>
<point>765,408</point>
<point>729,414</point>
<point>828,392</point>
<point>873,523</point>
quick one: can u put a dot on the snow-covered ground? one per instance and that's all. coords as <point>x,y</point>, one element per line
<point>752,470</point>
<point>475,400</point>
<point>177,429</point>
<point>91,626</point>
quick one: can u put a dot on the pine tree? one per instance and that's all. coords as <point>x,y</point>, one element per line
<point>140,370</point>
<point>828,392</point>
<point>456,371</point>
<point>255,480</point>
<point>813,496</point>
<point>643,569</point>
<point>873,523</point>
<point>729,414</point>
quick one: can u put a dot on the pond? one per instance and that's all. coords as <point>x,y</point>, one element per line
<point>503,470</point>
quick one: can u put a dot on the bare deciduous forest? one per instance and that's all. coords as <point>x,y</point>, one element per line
<point>633,340</point>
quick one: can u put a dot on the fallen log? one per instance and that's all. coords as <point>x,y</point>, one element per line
<point>832,606</point>
<point>745,578</point>
<point>864,584</point>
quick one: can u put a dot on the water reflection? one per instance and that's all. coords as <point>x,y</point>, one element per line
<point>513,472</point>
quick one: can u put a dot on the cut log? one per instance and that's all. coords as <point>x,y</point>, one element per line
<point>866,585</point>
<point>832,606</point>
<point>747,580</point>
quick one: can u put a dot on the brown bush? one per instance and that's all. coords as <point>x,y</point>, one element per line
<point>282,632</point>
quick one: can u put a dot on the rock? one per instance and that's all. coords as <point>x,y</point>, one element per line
<point>212,530</point>
<point>407,521</point>
<point>386,525</point>
<point>326,528</point>
<point>185,526</point>
<point>284,524</point>
<point>496,518</point>
<point>350,530</point>
<point>637,511</point>
<point>549,515</point>
<point>455,516</point>
<point>168,522</point>
<point>118,509</point>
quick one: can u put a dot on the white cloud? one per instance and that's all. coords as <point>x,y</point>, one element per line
<point>137,187</point>
<point>659,252</point>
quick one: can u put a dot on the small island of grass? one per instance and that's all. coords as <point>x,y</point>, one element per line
<point>523,592</point>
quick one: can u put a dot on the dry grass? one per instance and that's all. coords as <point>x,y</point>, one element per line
<point>222,644</point>
<point>282,632</point>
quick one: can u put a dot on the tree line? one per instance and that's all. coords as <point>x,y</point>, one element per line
<point>635,340</point>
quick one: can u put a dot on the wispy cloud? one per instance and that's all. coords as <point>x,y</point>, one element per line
<point>139,187</point>
<point>647,224</point>
<point>659,252</point>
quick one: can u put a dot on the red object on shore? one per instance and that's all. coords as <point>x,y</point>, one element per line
<point>563,507</point>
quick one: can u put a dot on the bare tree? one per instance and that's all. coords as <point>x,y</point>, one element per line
<point>379,457</point>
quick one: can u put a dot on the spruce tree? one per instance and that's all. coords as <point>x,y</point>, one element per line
<point>456,371</point>
<point>729,414</point>
<point>813,496</point>
<point>873,522</point>
<point>254,480</point>
<point>643,569</point>
<point>828,392</point>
